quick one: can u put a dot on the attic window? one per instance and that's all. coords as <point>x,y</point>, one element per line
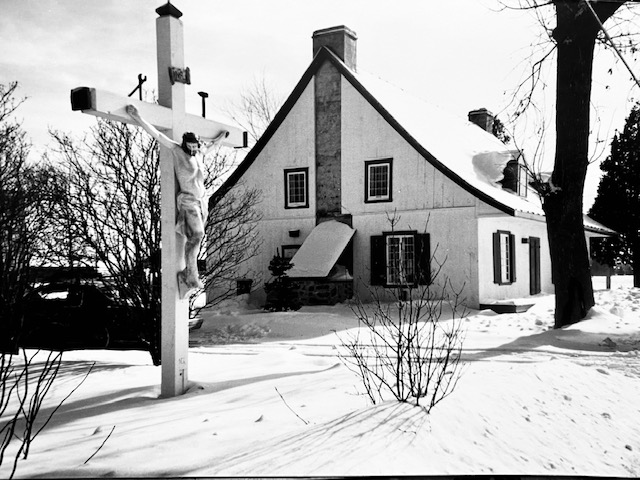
<point>378,180</point>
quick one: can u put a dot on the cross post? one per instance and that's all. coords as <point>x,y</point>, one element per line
<point>170,117</point>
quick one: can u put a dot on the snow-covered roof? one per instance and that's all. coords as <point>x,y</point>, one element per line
<point>596,227</point>
<point>474,156</point>
<point>464,152</point>
<point>321,250</point>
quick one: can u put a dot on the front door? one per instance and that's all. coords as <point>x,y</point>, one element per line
<point>534,265</point>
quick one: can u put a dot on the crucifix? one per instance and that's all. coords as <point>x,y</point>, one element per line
<point>169,117</point>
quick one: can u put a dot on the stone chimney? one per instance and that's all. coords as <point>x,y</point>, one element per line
<point>483,118</point>
<point>340,40</point>
<point>328,118</point>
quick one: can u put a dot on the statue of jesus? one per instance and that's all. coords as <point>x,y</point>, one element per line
<point>192,200</point>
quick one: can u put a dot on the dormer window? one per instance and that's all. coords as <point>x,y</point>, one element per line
<point>516,178</point>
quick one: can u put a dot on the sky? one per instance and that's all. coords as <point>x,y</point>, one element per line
<point>459,54</point>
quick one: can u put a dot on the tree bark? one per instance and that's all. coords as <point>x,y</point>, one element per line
<point>575,36</point>
<point>636,261</point>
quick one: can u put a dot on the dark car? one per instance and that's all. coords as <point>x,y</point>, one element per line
<point>83,314</point>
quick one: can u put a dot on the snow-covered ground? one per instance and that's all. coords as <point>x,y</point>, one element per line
<point>270,397</point>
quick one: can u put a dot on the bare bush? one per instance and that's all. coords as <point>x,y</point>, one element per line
<point>25,380</point>
<point>406,344</point>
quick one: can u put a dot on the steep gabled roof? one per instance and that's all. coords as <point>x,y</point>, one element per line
<point>454,146</point>
<point>320,57</point>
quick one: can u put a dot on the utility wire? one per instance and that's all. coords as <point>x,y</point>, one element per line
<point>606,34</point>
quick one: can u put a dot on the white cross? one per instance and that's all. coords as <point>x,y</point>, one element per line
<point>170,117</point>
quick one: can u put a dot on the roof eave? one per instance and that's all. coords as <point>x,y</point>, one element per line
<point>271,128</point>
<point>326,54</point>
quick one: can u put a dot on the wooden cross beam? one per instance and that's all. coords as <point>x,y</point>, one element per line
<point>169,116</point>
<point>111,106</point>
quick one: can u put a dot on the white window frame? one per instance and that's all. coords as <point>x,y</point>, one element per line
<point>371,165</point>
<point>289,176</point>
<point>505,258</point>
<point>407,259</point>
<point>523,180</point>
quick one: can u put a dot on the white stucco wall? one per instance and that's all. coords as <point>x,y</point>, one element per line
<point>520,228</point>
<point>366,135</point>
<point>423,198</point>
<point>452,239</point>
<point>292,146</point>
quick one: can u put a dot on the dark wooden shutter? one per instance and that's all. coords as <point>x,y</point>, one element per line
<point>534,265</point>
<point>423,259</point>
<point>378,260</point>
<point>512,256</point>
<point>497,274</point>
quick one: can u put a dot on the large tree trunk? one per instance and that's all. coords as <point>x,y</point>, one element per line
<point>575,35</point>
<point>635,262</point>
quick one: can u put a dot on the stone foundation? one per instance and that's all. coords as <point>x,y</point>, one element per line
<point>323,292</point>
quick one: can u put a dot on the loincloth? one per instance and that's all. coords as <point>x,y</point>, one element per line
<point>189,206</point>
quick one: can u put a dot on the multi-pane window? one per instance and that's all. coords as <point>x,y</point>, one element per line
<point>296,187</point>
<point>378,180</point>
<point>505,258</point>
<point>400,259</point>
<point>504,262</point>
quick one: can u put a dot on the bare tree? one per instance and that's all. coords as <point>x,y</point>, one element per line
<point>578,25</point>
<point>231,237</point>
<point>16,239</point>
<point>231,240</point>
<point>27,193</point>
<point>114,204</point>
<point>112,209</point>
<point>257,107</point>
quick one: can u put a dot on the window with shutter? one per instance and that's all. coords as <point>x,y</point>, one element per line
<point>504,261</point>
<point>401,258</point>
